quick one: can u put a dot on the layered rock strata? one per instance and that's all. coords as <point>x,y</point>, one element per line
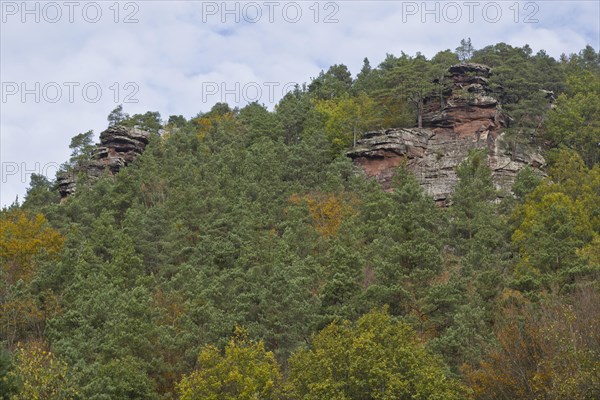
<point>466,116</point>
<point>118,147</point>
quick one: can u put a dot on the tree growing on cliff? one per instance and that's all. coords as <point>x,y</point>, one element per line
<point>81,146</point>
<point>415,83</point>
<point>117,116</point>
<point>149,121</point>
<point>472,209</point>
<point>348,118</point>
<point>465,50</point>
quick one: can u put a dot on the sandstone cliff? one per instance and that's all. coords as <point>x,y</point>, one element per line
<point>465,117</point>
<point>118,147</point>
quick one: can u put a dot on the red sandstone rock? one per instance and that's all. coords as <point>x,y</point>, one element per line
<point>468,117</point>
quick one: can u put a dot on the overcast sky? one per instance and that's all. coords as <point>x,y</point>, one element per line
<point>65,65</point>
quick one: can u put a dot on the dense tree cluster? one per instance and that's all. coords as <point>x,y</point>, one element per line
<point>241,257</point>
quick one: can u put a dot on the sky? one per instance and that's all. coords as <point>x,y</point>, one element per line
<point>65,65</point>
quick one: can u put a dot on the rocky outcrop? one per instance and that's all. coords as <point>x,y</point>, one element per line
<point>467,107</point>
<point>66,182</point>
<point>465,117</point>
<point>118,147</point>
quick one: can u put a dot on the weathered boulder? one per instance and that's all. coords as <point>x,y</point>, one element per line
<point>118,147</point>
<point>66,183</point>
<point>466,117</point>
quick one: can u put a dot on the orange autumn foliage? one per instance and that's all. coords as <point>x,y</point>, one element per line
<point>327,211</point>
<point>551,352</point>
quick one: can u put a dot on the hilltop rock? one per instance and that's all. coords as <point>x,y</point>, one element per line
<point>466,117</point>
<point>468,107</point>
<point>66,183</point>
<point>118,147</point>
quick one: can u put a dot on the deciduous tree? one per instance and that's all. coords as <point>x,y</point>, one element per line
<point>246,371</point>
<point>375,358</point>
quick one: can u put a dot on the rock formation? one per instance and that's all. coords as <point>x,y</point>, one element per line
<point>466,116</point>
<point>118,147</point>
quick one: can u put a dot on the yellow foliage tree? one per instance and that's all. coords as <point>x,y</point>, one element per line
<point>207,123</point>
<point>22,238</point>
<point>376,357</point>
<point>42,376</point>
<point>558,225</point>
<point>348,118</point>
<point>245,372</point>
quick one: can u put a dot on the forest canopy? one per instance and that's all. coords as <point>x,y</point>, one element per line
<point>241,256</point>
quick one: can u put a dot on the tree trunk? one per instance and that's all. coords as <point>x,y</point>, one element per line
<point>420,114</point>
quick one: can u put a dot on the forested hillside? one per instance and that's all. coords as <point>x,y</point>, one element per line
<point>242,255</point>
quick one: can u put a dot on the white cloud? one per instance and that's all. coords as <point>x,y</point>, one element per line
<point>175,50</point>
